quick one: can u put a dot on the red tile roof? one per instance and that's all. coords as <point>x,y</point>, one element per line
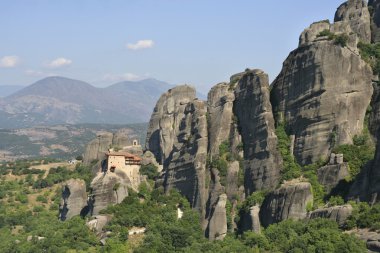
<point>125,154</point>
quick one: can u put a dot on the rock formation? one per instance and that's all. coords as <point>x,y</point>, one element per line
<point>287,202</point>
<point>262,160</point>
<point>250,221</point>
<point>186,162</point>
<point>98,223</point>
<point>374,114</point>
<point>220,115</point>
<point>110,188</point>
<point>374,177</point>
<point>322,94</point>
<point>371,238</point>
<point>149,158</point>
<point>217,227</point>
<point>339,214</point>
<point>96,149</point>
<point>374,5</point>
<point>74,199</point>
<point>334,172</point>
<point>165,120</point>
<point>355,13</point>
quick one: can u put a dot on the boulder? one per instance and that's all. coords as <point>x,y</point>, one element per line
<point>217,227</point>
<point>338,214</point>
<point>262,160</point>
<point>74,199</point>
<point>333,173</point>
<point>287,202</point>
<point>98,223</point>
<point>371,238</point>
<point>322,93</point>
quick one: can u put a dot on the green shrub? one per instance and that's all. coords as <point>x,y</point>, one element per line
<point>150,170</point>
<point>42,199</point>
<point>371,54</point>
<point>336,201</point>
<point>291,169</point>
<point>327,33</point>
<point>341,40</point>
<point>224,148</point>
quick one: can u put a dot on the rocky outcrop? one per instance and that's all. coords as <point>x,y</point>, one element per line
<point>374,114</point>
<point>371,238</point>
<point>338,214</point>
<point>220,115</point>
<point>96,149</point>
<point>262,160</point>
<point>167,115</point>
<point>185,165</point>
<point>217,227</point>
<point>310,34</point>
<point>333,173</point>
<point>322,94</point>
<point>149,158</point>
<point>74,199</point>
<point>287,202</point>
<point>355,13</point>
<point>374,6</point>
<point>108,188</point>
<point>250,221</point>
<point>98,223</point>
<point>374,177</point>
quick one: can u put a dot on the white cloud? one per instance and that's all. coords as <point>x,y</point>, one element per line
<point>141,44</point>
<point>37,73</point>
<point>9,61</point>
<point>59,62</point>
<point>121,77</point>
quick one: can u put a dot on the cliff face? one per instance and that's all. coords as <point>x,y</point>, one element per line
<point>375,19</point>
<point>96,149</point>
<point>322,94</point>
<point>355,14</point>
<point>74,199</point>
<point>220,152</point>
<point>252,106</point>
<point>185,166</point>
<point>287,202</point>
<point>165,121</point>
<point>220,115</point>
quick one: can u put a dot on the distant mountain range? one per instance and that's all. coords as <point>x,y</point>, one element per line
<point>60,100</point>
<point>6,90</point>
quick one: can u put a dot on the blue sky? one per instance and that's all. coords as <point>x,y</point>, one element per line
<point>199,42</point>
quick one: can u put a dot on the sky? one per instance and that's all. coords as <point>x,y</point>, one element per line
<point>197,42</point>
